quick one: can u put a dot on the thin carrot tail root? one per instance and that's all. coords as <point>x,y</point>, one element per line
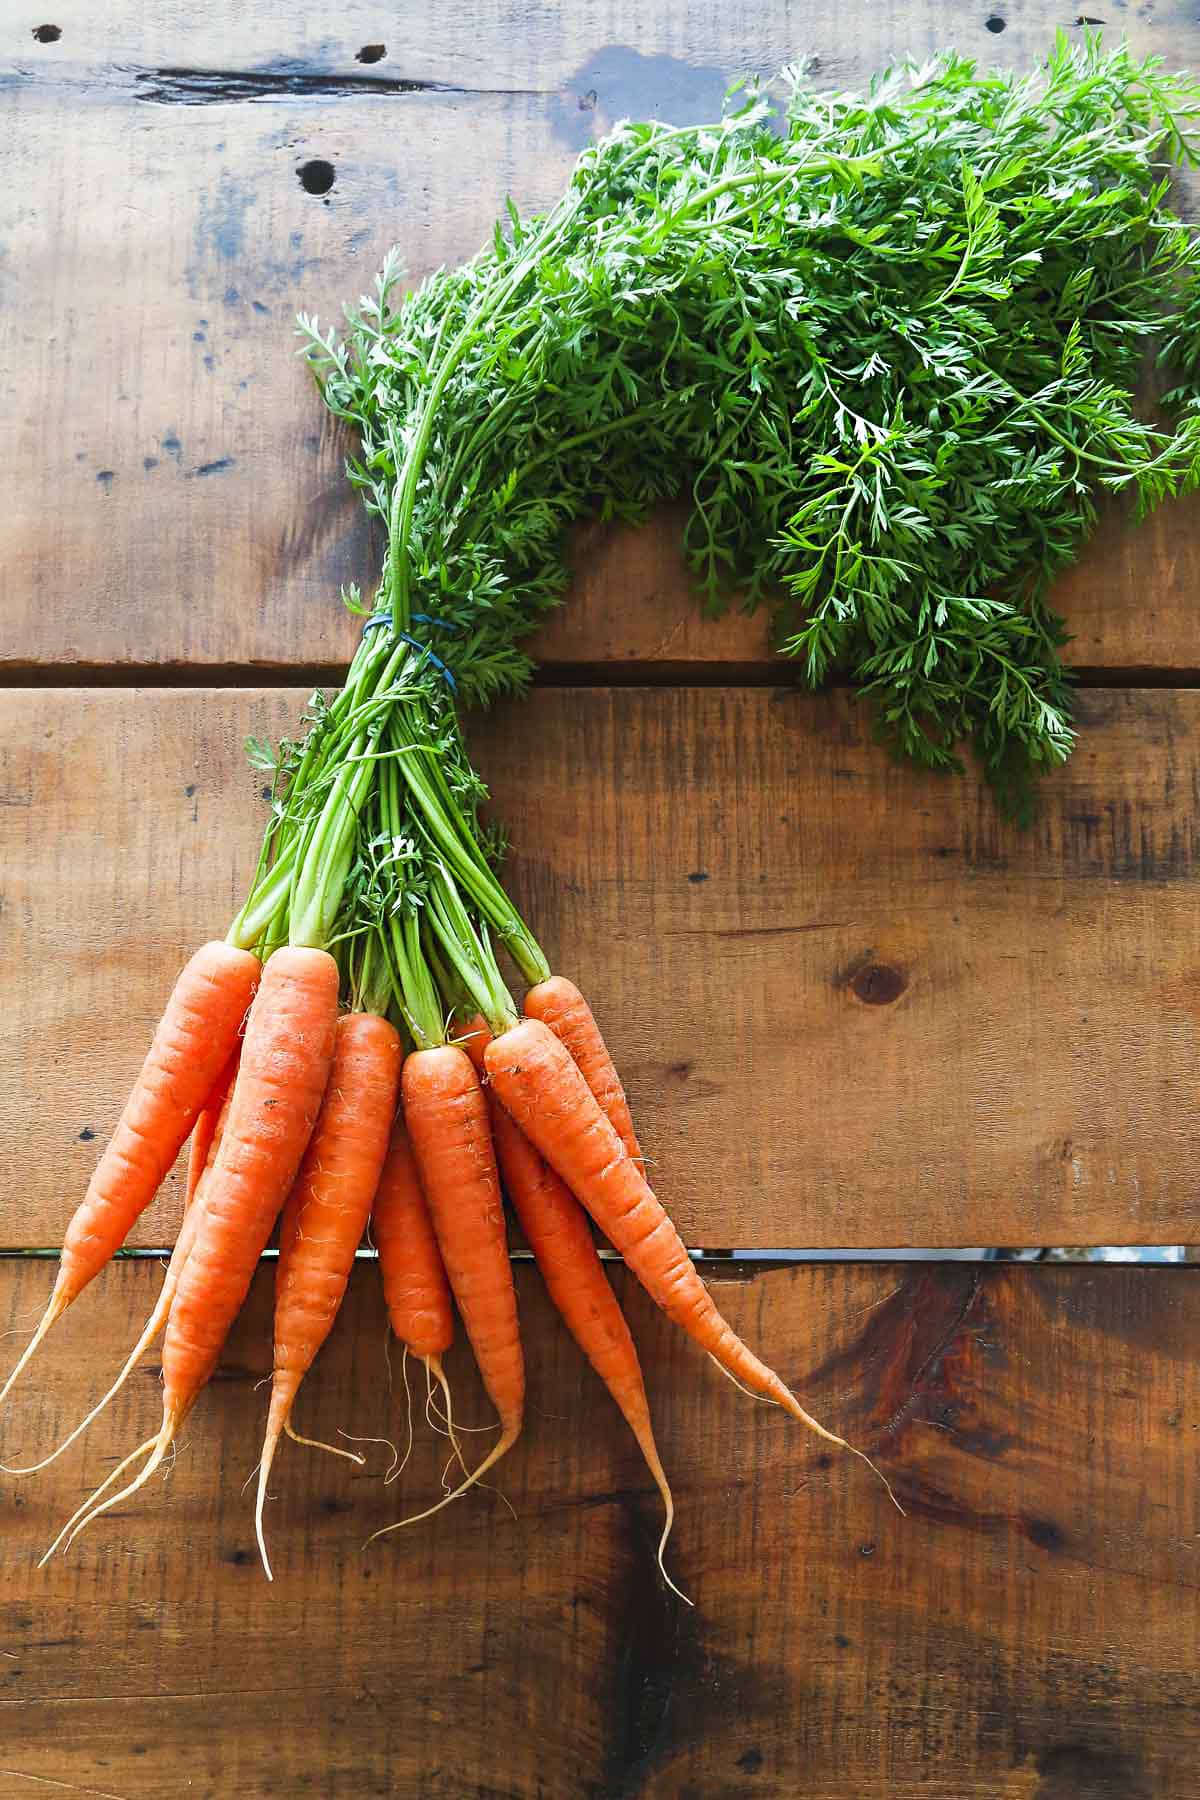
<point>150,1331</point>
<point>433,1366</point>
<point>831,1437</point>
<point>507,1440</point>
<point>399,1464</point>
<point>113,1475</point>
<point>793,1406</point>
<point>55,1308</point>
<point>333,1449</point>
<point>270,1445</point>
<point>158,1450</point>
<point>649,1450</point>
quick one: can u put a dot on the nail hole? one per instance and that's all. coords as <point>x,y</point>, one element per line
<point>47,34</point>
<point>371,53</point>
<point>875,984</point>
<point>317,176</point>
<point>995,24</point>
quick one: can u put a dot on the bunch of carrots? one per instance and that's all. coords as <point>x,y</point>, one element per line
<point>350,1055</point>
<point>305,1113</point>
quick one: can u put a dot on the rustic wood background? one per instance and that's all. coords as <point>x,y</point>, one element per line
<point>853,1008</point>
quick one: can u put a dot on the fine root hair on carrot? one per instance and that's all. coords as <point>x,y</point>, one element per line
<point>485,1487</point>
<point>333,1449</point>
<point>506,1443</point>
<point>398,1464</point>
<point>114,1475</point>
<point>260,1499</point>
<point>354,1437</point>
<point>805,1418</point>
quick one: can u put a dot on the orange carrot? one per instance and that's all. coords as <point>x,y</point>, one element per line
<point>284,1067</point>
<point>414,1276</point>
<point>548,1098</point>
<point>559,1004</point>
<point>419,1303</point>
<point>326,1213</point>
<point>194,1040</point>
<point>162,1306</point>
<point>565,1252</point>
<point>200,1144</point>
<point>446,1117</point>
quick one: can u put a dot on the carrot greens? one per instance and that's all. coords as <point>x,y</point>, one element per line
<point>884,347</point>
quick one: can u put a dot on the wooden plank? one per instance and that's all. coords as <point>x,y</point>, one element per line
<point>173,496</point>
<point>851,1006</point>
<point>1028,1632</point>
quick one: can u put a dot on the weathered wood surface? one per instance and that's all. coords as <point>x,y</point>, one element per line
<point>851,1007</point>
<point>172,495</point>
<point>1028,1632</point>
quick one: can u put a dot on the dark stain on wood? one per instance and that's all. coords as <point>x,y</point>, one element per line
<point>1044,1533</point>
<point>921,1355</point>
<point>1090,1772</point>
<point>656,1679</point>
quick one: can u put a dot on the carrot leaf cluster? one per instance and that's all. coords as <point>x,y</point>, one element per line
<point>884,346</point>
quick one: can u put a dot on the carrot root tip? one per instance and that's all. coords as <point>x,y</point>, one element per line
<point>150,1331</point>
<point>55,1308</point>
<point>264,1474</point>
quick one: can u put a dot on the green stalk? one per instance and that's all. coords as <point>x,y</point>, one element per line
<point>469,954</point>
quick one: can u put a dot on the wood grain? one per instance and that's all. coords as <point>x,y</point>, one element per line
<point>852,1007</point>
<point>173,497</point>
<point>1028,1632</point>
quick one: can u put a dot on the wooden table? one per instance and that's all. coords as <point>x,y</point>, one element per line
<point>854,1009</point>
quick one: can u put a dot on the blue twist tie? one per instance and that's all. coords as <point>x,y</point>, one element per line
<point>385,618</point>
<point>435,661</point>
<point>438,624</point>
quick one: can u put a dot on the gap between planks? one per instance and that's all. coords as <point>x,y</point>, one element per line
<point>633,674</point>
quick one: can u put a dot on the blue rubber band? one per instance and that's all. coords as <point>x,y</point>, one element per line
<point>438,624</point>
<point>429,656</point>
<point>385,618</point>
